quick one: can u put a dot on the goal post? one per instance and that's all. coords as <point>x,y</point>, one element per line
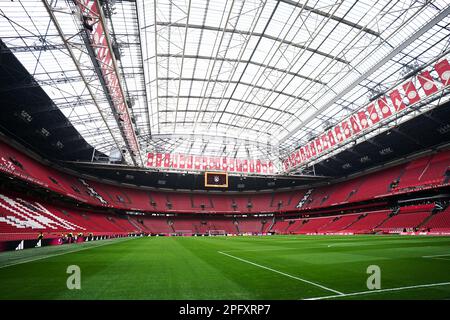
<point>217,232</point>
<point>183,233</point>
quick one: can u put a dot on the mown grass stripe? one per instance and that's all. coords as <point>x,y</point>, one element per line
<point>62,253</point>
<point>282,273</point>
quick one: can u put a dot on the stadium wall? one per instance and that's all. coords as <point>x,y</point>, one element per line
<point>429,172</point>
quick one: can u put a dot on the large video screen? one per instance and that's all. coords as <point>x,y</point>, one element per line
<point>216,179</point>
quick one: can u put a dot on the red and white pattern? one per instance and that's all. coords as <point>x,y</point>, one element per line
<point>397,100</point>
<point>312,147</point>
<point>384,107</point>
<point>286,164</point>
<point>182,161</point>
<point>258,165</point>
<point>302,154</point>
<point>443,69</point>
<point>231,166</point>
<point>363,119</point>
<point>331,139</point>
<point>189,162</point>
<point>355,125</point>
<point>318,145</point>
<point>159,160</point>
<point>23,214</point>
<point>263,167</point>
<point>400,98</point>
<point>346,129</point>
<point>338,133</point>
<point>245,166</point>
<point>251,166</point>
<point>411,92</point>
<point>198,165</point>
<point>167,163</point>
<point>325,142</point>
<point>373,114</point>
<point>308,153</point>
<point>239,165</point>
<point>297,158</point>
<point>150,159</point>
<point>270,169</point>
<point>106,60</point>
<point>427,83</point>
<point>175,160</point>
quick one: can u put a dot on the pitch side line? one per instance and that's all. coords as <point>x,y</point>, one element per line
<point>381,290</point>
<point>60,254</point>
<point>448,259</point>
<point>284,274</point>
<point>438,255</point>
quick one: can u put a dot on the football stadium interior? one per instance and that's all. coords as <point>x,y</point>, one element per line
<point>225,149</point>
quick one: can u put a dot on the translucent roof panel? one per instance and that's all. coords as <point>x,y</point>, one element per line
<point>252,78</point>
<point>36,33</point>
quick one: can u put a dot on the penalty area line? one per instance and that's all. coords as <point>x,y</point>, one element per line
<point>381,290</point>
<point>283,273</point>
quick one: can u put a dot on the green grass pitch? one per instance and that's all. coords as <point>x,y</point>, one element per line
<point>272,267</point>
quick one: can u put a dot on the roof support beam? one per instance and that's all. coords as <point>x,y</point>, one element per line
<point>236,82</point>
<point>146,94</point>
<point>216,123</point>
<point>200,136</point>
<point>255,34</point>
<point>212,111</point>
<point>156,56</point>
<point>430,24</point>
<point>165,55</point>
<point>45,47</point>
<point>131,136</point>
<point>229,98</point>
<point>330,16</point>
<point>183,55</point>
<point>79,69</point>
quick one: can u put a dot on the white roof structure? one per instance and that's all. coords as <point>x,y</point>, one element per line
<point>249,79</point>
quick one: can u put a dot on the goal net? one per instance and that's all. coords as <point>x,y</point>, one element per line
<point>217,232</point>
<point>183,233</point>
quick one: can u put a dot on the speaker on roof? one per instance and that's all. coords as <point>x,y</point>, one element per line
<point>88,23</point>
<point>116,50</point>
